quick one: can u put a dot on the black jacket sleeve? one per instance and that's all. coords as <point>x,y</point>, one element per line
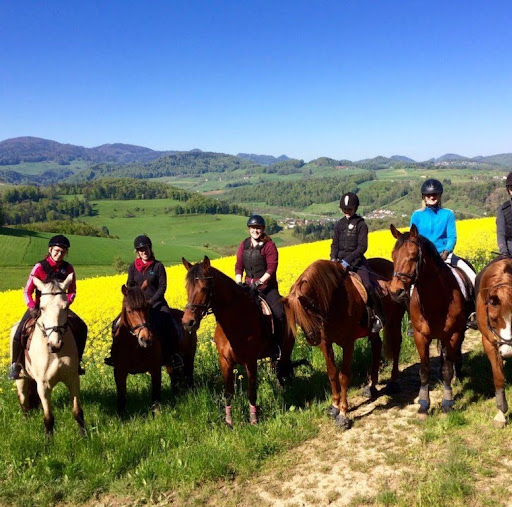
<point>161,277</point>
<point>131,274</point>
<point>335,241</point>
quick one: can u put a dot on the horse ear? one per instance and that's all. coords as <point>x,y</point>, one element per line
<point>396,233</point>
<point>206,262</point>
<point>38,283</point>
<point>414,232</point>
<point>187,264</point>
<point>67,282</point>
<point>124,290</point>
<point>144,285</point>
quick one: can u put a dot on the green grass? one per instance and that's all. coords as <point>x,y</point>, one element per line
<point>34,168</point>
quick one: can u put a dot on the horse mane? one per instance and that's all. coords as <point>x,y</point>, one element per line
<point>196,272</point>
<point>135,298</point>
<point>426,245</point>
<point>497,278</point>
<point>311,295</point>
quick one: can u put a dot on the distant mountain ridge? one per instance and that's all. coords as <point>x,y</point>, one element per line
<point>263,159</point>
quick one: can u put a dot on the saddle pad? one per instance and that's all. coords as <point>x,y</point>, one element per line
<point>265,308</point>
<point>460,281</point>
<point>356,279</point>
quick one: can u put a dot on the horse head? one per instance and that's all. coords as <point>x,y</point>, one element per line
<point>135,314</point>
<point>53,321</point>
<point>199,286</point>
<point>407,257</point>
<point>494,305</point>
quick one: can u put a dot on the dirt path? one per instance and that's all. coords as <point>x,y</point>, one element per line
<point>346,468</point>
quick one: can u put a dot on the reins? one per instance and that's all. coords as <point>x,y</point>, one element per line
<point>408,277</point>
<point>206,308</point>
<point>53,329</point>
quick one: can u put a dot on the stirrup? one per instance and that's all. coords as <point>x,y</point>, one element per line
<point>471,322</point>
<point>14,371</point>
<point>276,352</point>
<point>377,324</point>
<point>176,362</point>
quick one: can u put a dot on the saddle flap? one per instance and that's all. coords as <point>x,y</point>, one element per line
<point>266,312</point>
<point>27,331</point>
<point>356,280</point>
<point>465,285</point>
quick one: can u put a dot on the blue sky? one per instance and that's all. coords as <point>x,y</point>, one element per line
<point>345,79</point>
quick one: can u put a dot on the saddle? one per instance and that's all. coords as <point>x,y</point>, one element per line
<point>465,285</point>
<point>266,313</point>
<point>27,332</point>
<point>356,280</point>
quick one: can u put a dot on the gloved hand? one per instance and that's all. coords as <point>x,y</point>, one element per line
<point>444,254</point>
<point>334,260</point>
<point>345,264</point>
<point>241,284</point>
<point>34,312</point>
<point>254,286</point>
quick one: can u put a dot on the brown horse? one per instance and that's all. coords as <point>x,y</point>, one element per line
<point>327,305</point>
<point>437,307</point>
<point>494,318</point>
<point>241,335</point>
<point>137,349</point>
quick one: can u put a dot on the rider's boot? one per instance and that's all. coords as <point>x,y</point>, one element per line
<point>378,319</point>
<point>116,323</point>
<point>16,366</point>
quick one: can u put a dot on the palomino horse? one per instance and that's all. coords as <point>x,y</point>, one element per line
<point>137,349</point>
<point>494,318</point>
<point>437,307</point>
<point>52,356</point>
<point>241,335</point>
<point>327,305</point>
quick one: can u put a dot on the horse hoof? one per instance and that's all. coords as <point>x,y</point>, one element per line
<point>333,411</point>
<point>446,409</point>
<point>423,414</point>
<point>369,392</point>
<point>498,424</point>
<point>342,422</point>
<point>229,424</point>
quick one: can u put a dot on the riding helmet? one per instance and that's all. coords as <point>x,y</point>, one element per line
<point>256,220</point>
<point>349,200</point>
<point>508,182</point>
<point>142,241</point>
<point>431,186</point>
<point>59,240</point>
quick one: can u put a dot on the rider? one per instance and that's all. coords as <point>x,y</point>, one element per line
<point>257,256</point>
<point>53,267</point>
<point>349,243</point>
<point>438,225</point>
<point>150,275</point>
<point>504,222</point>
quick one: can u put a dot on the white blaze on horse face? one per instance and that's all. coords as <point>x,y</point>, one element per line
<point>505,332</point>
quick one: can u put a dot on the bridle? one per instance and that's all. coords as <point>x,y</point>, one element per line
<point>136,330</point>
<point>52,329</point>
<point>203,309</point>
<point>498,339</point>
<point>408,277</point>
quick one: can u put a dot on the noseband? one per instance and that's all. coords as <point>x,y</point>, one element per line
<point>52,329</point>
<point>407,277</point>
<point>203,309</point>
<point>135,331</point>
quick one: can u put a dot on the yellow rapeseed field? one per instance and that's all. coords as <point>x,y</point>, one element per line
<point>99,299</point>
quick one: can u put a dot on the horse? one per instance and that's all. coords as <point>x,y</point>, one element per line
<point>494,319</point>
<point>138,349</point>
<point>51,356</point>
<point>437,307</point>
<point>241,335</point>
<point>327,304</point>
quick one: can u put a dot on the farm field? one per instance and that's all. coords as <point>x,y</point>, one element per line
<point>183,453</point>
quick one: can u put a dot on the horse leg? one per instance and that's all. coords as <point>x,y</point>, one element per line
<point>451,355</point>
<point>252,390</point>
<point>24,395</point>
<point>284,365</point>
<point>44,392</point>
<point>370,390</point>
<point>342,421</point>
<point>499,382</point>
<point>156,387</point>
<point>120,378</point>
<point>393,334</point>
<point>422,345</point>
<point>73,384</point>
<point>332,373</point>
<point>226,367</point>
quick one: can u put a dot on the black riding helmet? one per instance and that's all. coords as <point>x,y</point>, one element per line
<point>431,186</point>
<point>142,241</point>
<point>349,200</point>
<point>256,220</point>
<point>59,240</point>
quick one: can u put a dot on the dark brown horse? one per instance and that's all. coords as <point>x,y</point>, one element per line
<point>326,303</point>
<point>241,335</point>
<point>437,307</point>
<point>494,318</point>
<point>138,349</point>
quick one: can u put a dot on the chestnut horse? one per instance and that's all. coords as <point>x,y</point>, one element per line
<point>437,307</point>
<point>137,348</point>
<point>241,335</point>
<point>326,304</point>
<point>494,318</point>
